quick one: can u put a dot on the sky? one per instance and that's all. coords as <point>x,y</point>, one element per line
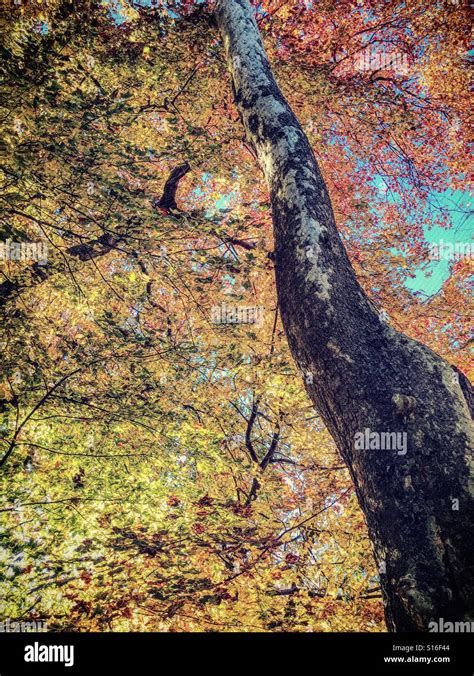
<point>430,277</point>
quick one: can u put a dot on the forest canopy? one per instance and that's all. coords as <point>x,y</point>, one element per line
<point>164,470</point>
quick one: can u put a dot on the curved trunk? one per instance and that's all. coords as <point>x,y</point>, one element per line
<point>395,409</point>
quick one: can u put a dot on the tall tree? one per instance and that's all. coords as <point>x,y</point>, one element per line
<point>365,375</point>
<point>131,422</point>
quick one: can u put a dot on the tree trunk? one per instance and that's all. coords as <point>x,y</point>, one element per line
<point>417,499</point>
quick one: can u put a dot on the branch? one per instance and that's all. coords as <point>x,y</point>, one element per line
<point>91,249</point>
<point>248,246</point>
<point>33,411</point>
<point>248,432</point>
<point>168,198</point>
<point>273,446</point>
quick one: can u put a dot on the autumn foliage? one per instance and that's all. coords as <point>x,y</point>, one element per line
<point>162,472</point>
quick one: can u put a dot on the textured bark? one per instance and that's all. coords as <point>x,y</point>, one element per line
<point>365,374</point>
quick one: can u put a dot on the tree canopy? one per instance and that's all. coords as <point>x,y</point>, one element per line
<point>162,471</point>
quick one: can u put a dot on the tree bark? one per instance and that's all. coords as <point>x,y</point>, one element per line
<point>418,504</point>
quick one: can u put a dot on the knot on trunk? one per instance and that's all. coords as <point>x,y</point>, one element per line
<point>405,405</point>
